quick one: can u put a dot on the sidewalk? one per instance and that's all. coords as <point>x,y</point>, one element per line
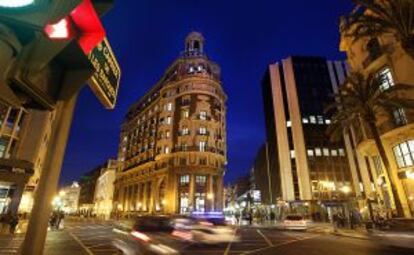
<point>57,243</point>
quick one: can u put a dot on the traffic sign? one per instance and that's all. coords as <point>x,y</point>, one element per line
<point>105,81</point>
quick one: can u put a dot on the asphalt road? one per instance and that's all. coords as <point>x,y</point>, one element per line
<point>95,239</point>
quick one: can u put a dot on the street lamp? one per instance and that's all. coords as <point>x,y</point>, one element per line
<point>410,174</point>
<point>346,189</point>
<point>15,3</point>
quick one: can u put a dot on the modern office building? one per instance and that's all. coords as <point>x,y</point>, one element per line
<point>104,191</point>
<point>24,136</point>
<point>265,180</point>
<point>310,171</point>
<point>172,151</point>
<point>384,57</point>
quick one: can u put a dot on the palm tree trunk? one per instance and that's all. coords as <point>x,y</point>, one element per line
<point>408,46</point>
<point>378,142</point>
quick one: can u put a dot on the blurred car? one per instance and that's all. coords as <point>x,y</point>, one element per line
<point>204,228</point>
<point>295,222</point>
<point>148,235</point>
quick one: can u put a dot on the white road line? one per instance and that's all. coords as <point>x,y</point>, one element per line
<point>81,244</point>
<point>265,238</point>
<point>278,245</point>
<point>226,252</point>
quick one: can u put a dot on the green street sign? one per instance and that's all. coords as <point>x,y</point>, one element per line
<point>105,81</point>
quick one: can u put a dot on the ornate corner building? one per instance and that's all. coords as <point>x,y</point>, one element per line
<point>172,148</point>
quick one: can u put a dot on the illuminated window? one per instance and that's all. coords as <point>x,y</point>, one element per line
<point>166,150</point>
<point>167,134</point>
<point>203,115</point>
<point>318,152</point>
<point>341,152</point>
<point>325,151</point>
<point>404,154</point>
<point>292,154</point>
<point>185,114</point>
<point>168,120</point>
<point>201,179</point>
<point>399,116</point>
<point>184,203</point>
<point>200,202</point>
<point>312,119</point>
<point>320,120</point>
<point>288,123</point>
<point>185,131</point>
<point>184,179</point>
<point>334,153</point>
<point>202,146</point>
<point>202,131</point>
<point>169,107</point>
<point>385,78</point>
<point>327,121</point>
<point>305,120</point>
<point>311,153</point>
<point>378,165</point>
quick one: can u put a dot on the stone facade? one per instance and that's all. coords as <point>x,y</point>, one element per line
<point>172,151</point>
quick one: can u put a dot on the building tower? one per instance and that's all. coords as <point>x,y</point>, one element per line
<point>311,172</point>
<point>173,141</point>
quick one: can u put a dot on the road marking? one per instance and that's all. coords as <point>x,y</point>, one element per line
<point>81,244</point>
<point>265,238</point>
<point>278,245</point>
<point>229,245</point>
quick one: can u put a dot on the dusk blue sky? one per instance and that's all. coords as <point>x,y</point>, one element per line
<point>242,36</point>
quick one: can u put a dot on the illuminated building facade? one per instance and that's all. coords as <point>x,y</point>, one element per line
<point>24,136</point>
<point>173,141</point>
<point>309,172</point>
<point>104,190</point>
<point>70,198</point>
<point>384,57</point>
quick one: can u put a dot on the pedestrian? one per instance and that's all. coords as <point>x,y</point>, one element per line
<point>14,221</point>
<point>59,220</point>
<point>237,216</point>
<point>250,217</point>
<point>53,220</point>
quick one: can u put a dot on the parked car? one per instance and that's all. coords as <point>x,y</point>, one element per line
<point>295,222</point>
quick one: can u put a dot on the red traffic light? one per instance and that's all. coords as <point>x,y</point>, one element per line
<point>89,29</point>
<point>60,30</point>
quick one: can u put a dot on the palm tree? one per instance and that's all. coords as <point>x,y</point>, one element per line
<point>378,17</point>
<point>363,99</point>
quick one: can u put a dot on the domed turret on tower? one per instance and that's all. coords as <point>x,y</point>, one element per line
<point>194,44</point>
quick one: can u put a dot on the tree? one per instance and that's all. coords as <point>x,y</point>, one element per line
<point>363,100</point>
<point>377,17</point>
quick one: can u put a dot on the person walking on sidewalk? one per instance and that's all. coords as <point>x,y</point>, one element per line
<point>14,221</point>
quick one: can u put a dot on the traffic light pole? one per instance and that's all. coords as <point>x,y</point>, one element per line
<point>39,220</point>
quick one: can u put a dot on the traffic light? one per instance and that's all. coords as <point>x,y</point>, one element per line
<point>46,31</point>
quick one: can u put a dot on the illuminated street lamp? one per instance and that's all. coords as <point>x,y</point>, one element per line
<point>15,3</point>
<point>346,189</point>
<point>410,174</point>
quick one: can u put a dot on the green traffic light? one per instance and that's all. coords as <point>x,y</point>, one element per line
<point>15,3</point>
